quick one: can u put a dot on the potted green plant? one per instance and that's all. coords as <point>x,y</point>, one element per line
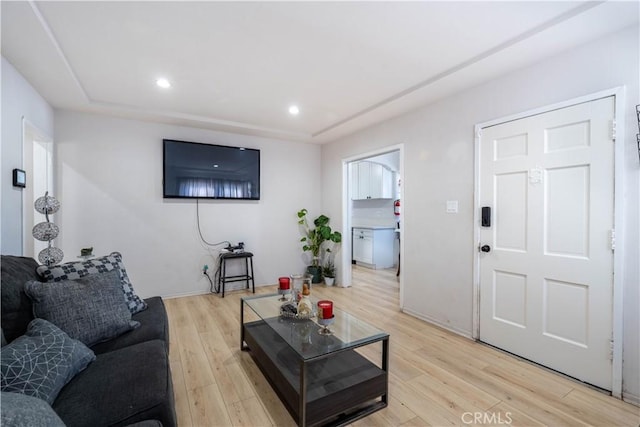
<point>329,272</point>
<point>315,241</point>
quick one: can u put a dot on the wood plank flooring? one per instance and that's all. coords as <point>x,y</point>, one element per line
<point>437,378</point>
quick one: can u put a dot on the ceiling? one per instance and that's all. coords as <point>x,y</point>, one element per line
<point>239,66</point>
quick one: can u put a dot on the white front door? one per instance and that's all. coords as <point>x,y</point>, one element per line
<point>546,269</point>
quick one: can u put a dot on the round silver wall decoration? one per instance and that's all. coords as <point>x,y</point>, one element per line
<point>45,231</point>
<point>50,256</point>
<point>47,204</point>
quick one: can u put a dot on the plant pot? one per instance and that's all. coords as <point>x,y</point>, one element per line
<point>315,271</point>
<point>329,280</point>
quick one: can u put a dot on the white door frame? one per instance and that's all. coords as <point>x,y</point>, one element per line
<point>618,255</point>
<point>346,213</point>
<point>30,134</point>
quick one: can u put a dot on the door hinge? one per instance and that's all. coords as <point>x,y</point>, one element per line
<point>479,133</point>
<point>613,239</point>
<point>611,349</point>
<point>612,130</point>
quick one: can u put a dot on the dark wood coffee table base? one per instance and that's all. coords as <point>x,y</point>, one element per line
<point>337,388</point>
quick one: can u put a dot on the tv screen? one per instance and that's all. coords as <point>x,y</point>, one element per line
<point>195,170</point>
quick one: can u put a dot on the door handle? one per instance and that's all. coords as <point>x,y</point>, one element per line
<point>485,248</point>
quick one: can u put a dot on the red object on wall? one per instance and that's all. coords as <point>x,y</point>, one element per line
<point>396,207</point>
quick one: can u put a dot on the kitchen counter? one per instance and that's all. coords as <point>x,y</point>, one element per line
<point>374,227</point>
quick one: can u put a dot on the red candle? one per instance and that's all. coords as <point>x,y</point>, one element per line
<point>284,283</point>
<point>325,309</point>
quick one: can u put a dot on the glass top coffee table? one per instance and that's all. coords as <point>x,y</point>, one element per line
<point>320,378</point>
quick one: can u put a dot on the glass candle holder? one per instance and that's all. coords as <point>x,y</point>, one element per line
<point>284,287</point>
<point>296,286</point>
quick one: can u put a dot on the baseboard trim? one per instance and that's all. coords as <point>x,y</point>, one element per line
<point>186,294</point>
<point>631,398</point>
<point>436,322</point>
<point>206,292</point>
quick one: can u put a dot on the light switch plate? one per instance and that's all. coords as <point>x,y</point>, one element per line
<point>452,206</point>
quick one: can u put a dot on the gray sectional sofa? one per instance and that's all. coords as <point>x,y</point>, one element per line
<point>127,379</point>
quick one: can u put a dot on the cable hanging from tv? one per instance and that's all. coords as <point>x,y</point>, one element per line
<point>200,231</point>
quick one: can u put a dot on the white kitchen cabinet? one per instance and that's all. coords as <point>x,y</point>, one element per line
<point>375,180</point>
<point>373,247</point>
<point>370,180</point>
<point>363,245</point>
<point>354,183</point>
<point>388,184</point>
<point>364,180</point>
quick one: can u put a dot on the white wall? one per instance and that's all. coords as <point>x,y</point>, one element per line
<point>110,186</point>
<point>19,100</point>
<point>439,248</point>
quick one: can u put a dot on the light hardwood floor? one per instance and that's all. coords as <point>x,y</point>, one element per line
<point>436,377</point>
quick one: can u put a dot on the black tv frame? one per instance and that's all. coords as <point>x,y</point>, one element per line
<point>164,164</point>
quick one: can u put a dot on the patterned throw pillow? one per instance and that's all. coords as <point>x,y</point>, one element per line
<point>90,309</point>
<point>42,361</point>
<point>19,410</point>
<point>76,270</point>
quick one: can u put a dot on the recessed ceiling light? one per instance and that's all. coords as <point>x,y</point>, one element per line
<point>215,166</point>
<point>294,110</point>
<point>163,83</point>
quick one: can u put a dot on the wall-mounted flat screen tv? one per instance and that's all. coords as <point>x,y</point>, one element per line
<point>195,170</point>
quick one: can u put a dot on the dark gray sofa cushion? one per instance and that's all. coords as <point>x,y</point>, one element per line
<point>77,269</point>
<point>90,309</point>
<point>20,410</point>
<point>147,423</point>
<point>42,361</point>
<point>16,306</point>
<point>154,325</point>
<point>122,387</point>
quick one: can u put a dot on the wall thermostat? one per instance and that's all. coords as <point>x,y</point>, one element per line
<point>19,178</point>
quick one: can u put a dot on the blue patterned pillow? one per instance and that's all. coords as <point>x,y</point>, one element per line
<point>76,270</point>
<point>19,410</point>
<point>90,309</point>
<point>42,361</point>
